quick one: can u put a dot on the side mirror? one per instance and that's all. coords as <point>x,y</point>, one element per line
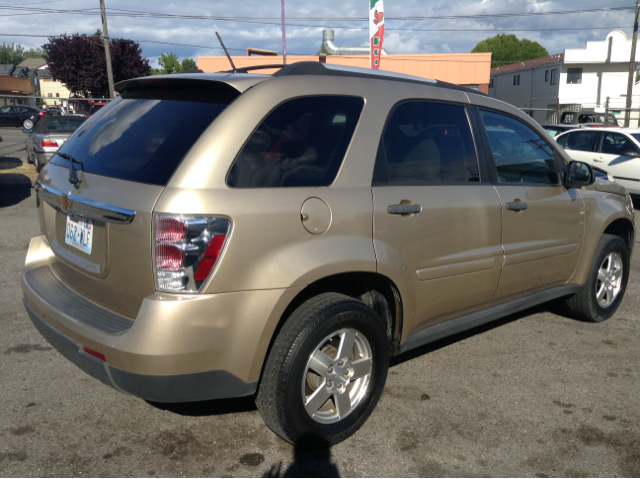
<point>580,174</point>
<point>26,130</point>
<point>631,154</point>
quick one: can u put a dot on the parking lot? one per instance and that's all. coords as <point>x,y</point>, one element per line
<point>536,394</point>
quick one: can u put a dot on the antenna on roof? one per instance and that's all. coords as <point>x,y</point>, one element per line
<point>226,52</point>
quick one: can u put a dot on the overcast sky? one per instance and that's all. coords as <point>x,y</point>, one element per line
<point>304,36</point>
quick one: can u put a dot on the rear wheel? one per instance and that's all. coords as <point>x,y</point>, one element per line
<point>606,283</point>
<point>28,124</point>
<point>325,372</point>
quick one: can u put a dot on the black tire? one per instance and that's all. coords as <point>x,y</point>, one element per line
<point>279,398</point>
<point>28,156</point>
<point>584,304</point>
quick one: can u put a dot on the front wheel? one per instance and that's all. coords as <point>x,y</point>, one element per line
<point>600,296</point>
<point>325,372</point>
<point>28,124</point>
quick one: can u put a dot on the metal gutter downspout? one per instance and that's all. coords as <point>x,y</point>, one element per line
<point>331,49</point>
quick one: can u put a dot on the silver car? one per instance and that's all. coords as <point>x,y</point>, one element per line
<point>48,135</point>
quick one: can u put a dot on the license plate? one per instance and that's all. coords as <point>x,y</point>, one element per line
<point>79,233</point>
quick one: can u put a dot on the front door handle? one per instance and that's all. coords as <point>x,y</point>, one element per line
<point>517,206</point>
<point>597,160</point>
<point>404,209</point>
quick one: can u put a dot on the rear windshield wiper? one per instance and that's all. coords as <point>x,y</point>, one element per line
<point>73,174</point>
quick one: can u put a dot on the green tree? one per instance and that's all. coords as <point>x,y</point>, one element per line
<point>97,33</point>
<point>508,49</point>
<point>189,64</point>
<point>11,53</point>
<point>36,53</point>
<point>169,63</point>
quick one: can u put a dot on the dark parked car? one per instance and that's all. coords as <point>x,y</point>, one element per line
<point>48,135</point>
<point>555,130</point>
<point>20,115</point>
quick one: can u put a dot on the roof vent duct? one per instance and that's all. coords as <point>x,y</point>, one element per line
<point>331,49</point>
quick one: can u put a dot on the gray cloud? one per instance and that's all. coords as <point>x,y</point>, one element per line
<point>407,36</point>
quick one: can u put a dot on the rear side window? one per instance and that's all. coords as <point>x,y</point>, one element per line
<point>616,144</point>
<point>301,143</point>
<point>581,140</point>
<point>562,141</point>
<point>143,135</point>
<point>426,143</point>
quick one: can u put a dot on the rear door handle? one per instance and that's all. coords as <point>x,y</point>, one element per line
<point>404,209</point>
<point>598,160</point>
<point>517,206</point>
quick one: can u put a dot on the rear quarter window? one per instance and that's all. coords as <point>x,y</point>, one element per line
<point>302,142</point>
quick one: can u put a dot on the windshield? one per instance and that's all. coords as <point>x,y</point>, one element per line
<point>142,136</point>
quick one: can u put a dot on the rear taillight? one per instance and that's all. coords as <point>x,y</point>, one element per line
<point>41,113</point>
<point>187,249</point>
<point>49,143</point>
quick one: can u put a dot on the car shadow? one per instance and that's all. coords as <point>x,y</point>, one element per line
<point>213,407</point>
<point>14,188</point>
<point>9,163</point>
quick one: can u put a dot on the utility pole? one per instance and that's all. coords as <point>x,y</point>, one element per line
<point>107,49</point>
<point>606,112</point>
<point>632,68</point>
<point>284,37</point>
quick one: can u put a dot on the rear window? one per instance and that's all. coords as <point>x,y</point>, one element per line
<point>143,135</point>
<point>301,143</point>
<point>59,124</point>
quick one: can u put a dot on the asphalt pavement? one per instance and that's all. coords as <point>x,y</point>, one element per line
<point>536,394</point>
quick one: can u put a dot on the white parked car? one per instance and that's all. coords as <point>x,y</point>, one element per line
<point>614,150</point>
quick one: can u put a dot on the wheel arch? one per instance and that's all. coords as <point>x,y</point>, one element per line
<point>376,290</point>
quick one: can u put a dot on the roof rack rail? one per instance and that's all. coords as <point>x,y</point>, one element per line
<point>315,68</point>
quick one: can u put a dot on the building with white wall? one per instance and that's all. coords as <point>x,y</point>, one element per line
<point>579,78</point>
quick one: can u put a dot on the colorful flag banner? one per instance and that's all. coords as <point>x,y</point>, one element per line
<point>376,32</point>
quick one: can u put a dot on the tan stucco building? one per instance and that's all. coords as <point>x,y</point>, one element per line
<point>469,69</point>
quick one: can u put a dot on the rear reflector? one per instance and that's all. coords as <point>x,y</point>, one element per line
<point>210,257</point>
<point>96,354</point>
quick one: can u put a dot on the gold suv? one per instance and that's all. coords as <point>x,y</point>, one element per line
<point>222,235</point>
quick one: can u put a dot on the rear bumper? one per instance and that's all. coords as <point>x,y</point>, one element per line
<point>161,388</point>
<point>178,348</point>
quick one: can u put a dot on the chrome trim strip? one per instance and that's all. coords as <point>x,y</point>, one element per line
<point>84,207</point>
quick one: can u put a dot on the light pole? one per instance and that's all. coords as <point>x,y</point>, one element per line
<point>107,50</point>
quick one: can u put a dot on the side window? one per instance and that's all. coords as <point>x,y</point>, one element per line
<point>426,143</point>
<point>301,143</point>
<point>616,144</point>
<point>521,155</point>
<point>5,109</point>
<point>582,140</point>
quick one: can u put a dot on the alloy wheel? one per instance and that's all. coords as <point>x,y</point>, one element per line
<point>337,376</point>
<point>609,282</point>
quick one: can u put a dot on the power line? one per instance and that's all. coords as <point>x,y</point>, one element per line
<point>143,14</point>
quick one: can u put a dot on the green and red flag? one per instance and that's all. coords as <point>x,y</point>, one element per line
<point>376,32</point>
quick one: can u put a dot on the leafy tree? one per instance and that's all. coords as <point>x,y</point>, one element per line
<point>35,53</point>
<point>169,63</point>
<point>189,64</point>
<point>79,62</point>
<point>97,33</point>
<point>508,49</point>
<point>11,53</point>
